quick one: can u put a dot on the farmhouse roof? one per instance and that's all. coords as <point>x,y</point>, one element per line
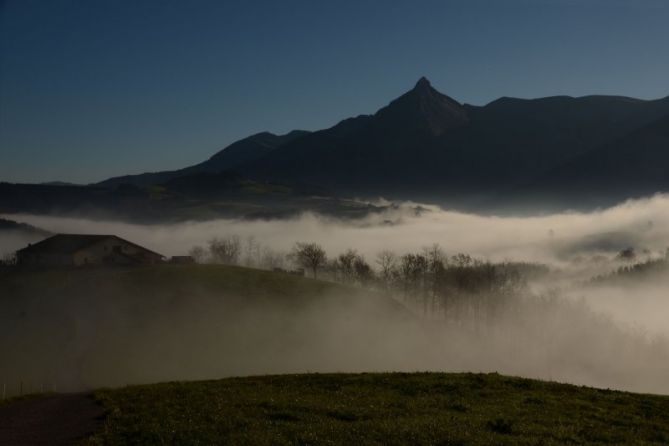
<point>71,243</point>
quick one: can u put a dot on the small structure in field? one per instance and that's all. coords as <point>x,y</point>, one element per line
<point>84,249</point>
<point>295,272</point>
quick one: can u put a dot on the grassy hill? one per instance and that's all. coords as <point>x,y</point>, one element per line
<point>159,279</point>
<point>166,283</point>
<point>380,409</point>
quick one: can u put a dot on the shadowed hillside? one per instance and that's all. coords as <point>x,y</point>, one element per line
<point>425,145</point>
<point>229,158</point>
<point>632,166</point>
<point>85,328</point>
<point>76,329</point>
<point>15,235</point>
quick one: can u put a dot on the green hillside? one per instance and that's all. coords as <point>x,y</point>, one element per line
<point>164,278</point>
<point>380,409</point>
<point>167,284</point>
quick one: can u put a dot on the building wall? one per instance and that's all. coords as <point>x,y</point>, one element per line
<point>44,259</point>
<point>113,251</point>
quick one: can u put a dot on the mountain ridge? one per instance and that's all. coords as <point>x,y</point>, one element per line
<point>504,144</point>
<point>426,146</point>
<point>239,152</point>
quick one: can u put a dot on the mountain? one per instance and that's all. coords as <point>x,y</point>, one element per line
<point>539,154</point>
<point>201,196</point>
<point>632,166</point>
<point>58,183</point>
<point>15,235</point>
<point>426,146</point>
<point>422,111</point>
<point>369,154</point>
<point>11,226</point>
<point>234,155</point>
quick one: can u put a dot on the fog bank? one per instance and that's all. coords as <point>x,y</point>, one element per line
<point>99,328</point>
<point>555,239</point>
<point>607,335</point>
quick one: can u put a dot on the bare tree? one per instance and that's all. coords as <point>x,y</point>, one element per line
<point>271,259</point>
<point>199,254</point>
<point>462,260</point>
<point>309,256</point>
<point>434,254</point>
<point>627,255</point>
<point>252,252</point>
<point>351,267</point>
<point>387,261</point>
<point>414,269</point>
<point>436,258</point>
<point>225,250</point>
<point>345,265</point>
<point>362,271</point>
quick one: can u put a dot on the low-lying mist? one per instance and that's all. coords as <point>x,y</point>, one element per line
<point>565,326</point>
<point>95,328</point>
<point>559,239</point>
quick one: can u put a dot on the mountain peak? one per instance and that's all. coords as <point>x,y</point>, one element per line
<point>424,107</point>
<point>422,83</point>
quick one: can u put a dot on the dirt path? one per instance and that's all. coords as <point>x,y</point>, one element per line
<point>50,420</point>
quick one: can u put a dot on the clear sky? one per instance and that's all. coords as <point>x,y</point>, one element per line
<point>91,88</point>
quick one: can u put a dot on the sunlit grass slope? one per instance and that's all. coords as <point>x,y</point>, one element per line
<point>380,409</point>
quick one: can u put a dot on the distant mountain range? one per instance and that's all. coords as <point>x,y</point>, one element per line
<point>233,156</point>
<point>549,153</point>
<point>586,151</point>
<point>15,235</point>
<point>11,226</point>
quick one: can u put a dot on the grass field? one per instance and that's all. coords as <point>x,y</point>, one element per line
<point>160,279</point>
<point>380,409</point>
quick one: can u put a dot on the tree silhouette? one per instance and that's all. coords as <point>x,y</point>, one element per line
<point>309,256</point>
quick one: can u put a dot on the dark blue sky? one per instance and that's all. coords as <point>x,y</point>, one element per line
<point>91,89</point>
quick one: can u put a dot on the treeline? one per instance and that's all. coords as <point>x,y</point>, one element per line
<point>232,250</point>
<point>639,270</point>
<point>430,280</point>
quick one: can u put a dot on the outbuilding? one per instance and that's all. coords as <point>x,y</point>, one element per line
<point>85,249</point>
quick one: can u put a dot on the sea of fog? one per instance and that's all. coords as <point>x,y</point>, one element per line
<point>557,239</point>
<point>609,347</point>
<point>576,245</point>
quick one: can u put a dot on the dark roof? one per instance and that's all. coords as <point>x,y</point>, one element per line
<point>71,243</point>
